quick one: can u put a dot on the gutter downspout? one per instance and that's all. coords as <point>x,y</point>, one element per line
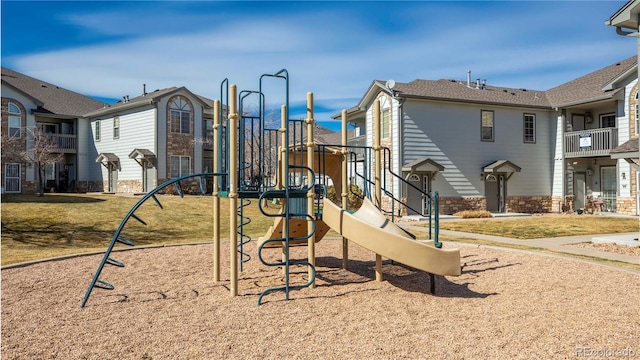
<point>635,33</point>
<point>400,140</point>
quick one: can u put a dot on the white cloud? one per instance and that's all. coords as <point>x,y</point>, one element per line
<point>335,55</point>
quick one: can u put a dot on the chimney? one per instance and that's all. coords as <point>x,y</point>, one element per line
<point>478,83</point>
<point>484,84</point>
<point>469,78</point>
<point>144,89</point>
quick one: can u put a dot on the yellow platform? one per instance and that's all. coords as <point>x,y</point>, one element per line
<point>297,228</point>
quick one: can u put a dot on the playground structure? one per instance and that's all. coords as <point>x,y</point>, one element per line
<point>255,162</point>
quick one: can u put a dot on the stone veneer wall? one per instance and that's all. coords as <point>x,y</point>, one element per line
<point>522,204</point>
<point>451,205</point>
<point>92,186</point>
<point>626,205</point>
<point>530,204</point>
<point>129,186</point>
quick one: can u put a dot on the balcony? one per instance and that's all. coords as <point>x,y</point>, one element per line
<point>66,144</point>
<point>588,143</point>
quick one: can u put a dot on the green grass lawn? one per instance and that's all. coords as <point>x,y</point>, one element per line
<point>545,226</point>
<point>36,227</point>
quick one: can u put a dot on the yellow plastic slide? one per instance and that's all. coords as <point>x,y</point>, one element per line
<point>369,228</point>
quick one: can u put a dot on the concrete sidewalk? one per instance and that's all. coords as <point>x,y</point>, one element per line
<point>557,244</point>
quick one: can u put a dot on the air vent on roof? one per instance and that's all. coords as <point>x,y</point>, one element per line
<point>43,85</point>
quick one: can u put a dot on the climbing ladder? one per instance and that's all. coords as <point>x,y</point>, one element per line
<point>118,236</point>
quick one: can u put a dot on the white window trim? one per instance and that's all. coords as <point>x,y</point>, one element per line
<point>524,135</point>
<point>180,158</point>
<point>116,128</point>
<point>98,128</point>
<point>385,131</point>
<point>493,126</point>
<point>637,116</point>
<point>15,114</point>
<point>180,105</point>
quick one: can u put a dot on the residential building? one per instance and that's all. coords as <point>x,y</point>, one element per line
<point>29,103</point>
<point>506,149</point>
<point>146,140</point>
<point>128,147</point>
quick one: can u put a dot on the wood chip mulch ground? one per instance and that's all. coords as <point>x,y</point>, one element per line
<point>506,305</point>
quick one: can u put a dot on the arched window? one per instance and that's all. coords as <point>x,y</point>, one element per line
<point>15,120</point>
<point>180,115</point>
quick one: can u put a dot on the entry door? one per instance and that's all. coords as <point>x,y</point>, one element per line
<point>579,190</point>
<point>577,123</point>
<point>12,181</point>
<point>426,187</point>
<point>495,191</point>
<point>148,175</point>
<point>492,192</point>
<point>113,177</point>
<point>609,182</point>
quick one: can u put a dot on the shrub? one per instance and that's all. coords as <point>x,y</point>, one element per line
<point>354,196</point>
<point>473,214</point>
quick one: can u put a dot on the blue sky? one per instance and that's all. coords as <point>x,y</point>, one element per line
<point>334,49</point>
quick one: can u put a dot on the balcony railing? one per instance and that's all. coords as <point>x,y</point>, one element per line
<point>593,142</point>
<point>66,143</point>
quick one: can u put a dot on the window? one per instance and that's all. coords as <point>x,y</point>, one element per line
<point>529,128</point>
<point>180,114</point>
<point>487,125</point>
<point>208,130</point>
<point>386,123</point>
<point>15,121</point>
<point>12,177</point>
<point>608,120</point>
<point>637,115</point>
<point>180,166</point>
<point>116,128</point>
<point>97,133</point>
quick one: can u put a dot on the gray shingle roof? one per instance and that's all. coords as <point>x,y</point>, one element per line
<point>628,146</point>
<point>145,99</point>
<point>454,90</point>
<point>587,88</point>
<point>53,99</point>
<point>590,86</point>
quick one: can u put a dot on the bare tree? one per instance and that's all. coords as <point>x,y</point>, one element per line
<point>11,148</point>
<point>42,150</point>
